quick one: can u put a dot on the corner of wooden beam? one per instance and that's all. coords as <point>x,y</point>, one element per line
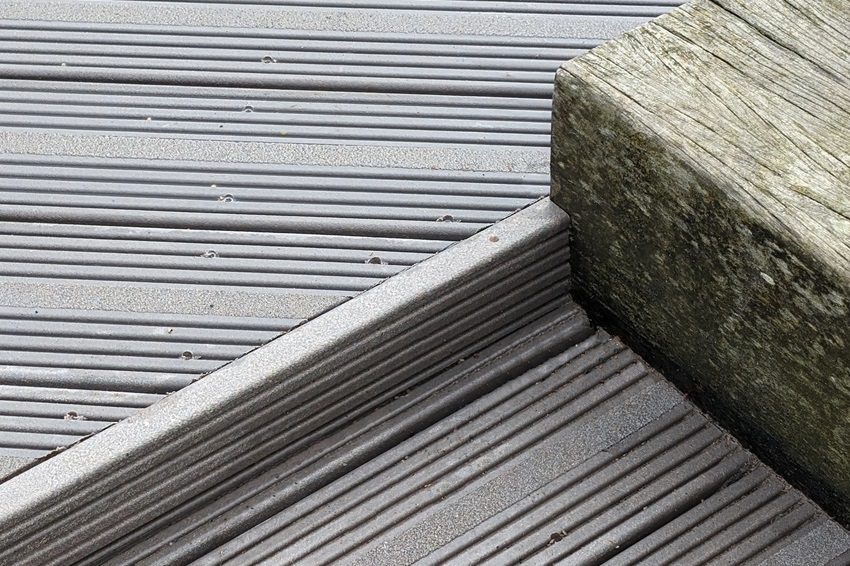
<point>704,159</point>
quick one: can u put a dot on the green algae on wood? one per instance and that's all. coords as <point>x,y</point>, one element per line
<point>705,161</point>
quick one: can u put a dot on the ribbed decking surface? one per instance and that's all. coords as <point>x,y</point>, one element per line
<point>580,453</point>
<point>288,394</point>
<point>570,7</point>
<point>180,182</point>
<point>68,373</point>
<point>309,116</point>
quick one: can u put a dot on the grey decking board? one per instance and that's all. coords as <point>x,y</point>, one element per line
<point>223,98</point>
<point>358,173</point>
<point>509,25</point>
<point>355,61</point>
<point>590,457</point>
<point>590,7</point>
<point>576,437</point>
<point>425,157</point>
<point>205,272</point>
<point>12,464</point>
<point>371,191</point>
<point>824,542</point>
<point>521,264</point>
<point>234,200</point>
<point>285,305</point>
<point>188,535</point>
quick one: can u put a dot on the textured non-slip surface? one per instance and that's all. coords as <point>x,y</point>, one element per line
<point>290,393</point>
<point>598,20</point>
<point>579,453</point>
<point>182,181</point>
<point>197,527</point>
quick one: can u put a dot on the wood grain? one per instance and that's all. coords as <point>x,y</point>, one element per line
<point>705,161</point>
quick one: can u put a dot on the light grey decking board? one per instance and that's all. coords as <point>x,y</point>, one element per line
<point>450,23</point>
<point>254,161</point>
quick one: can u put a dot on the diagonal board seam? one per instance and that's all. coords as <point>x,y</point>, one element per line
<point>273,372</point>
<point>295,325</point>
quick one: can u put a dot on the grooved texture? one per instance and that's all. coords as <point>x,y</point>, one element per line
<point>578,453</point>
<point>67,373</point>
<point>230,508</point>
<point>574,7</point>
<point>289,393</point>
<point>181,182</point>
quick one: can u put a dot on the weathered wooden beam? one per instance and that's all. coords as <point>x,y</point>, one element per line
<point>705,161</point>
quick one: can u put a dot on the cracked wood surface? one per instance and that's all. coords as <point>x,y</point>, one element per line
<point>705,161</point>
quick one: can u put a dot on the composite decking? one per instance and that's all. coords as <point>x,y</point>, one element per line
<point>276,284</point>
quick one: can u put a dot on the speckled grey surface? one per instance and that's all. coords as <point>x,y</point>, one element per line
<point>404,439</point>
<point>12,464</point>
<point>588,455</point>
<point>818,546</point>
<point>532,160</point>
<point>243,162</point>
<point>242,166</point>
<point>88,295</point>
<point>192,529</point>
<point>323,19</point>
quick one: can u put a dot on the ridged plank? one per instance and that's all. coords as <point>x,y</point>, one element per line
<point>389,339</point>
<point>649,8</point>
<point>378,133</point>
<point>458,453</point>
<point>395,65</point>
<point>252,228</point>
<point>141,238</point>
<point>588,458</point>
<point>71,373</point>
<point>357,61</point>
<point>232,506</point>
